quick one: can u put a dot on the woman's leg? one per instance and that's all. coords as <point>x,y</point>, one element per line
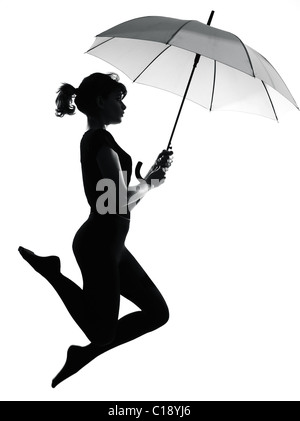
<point>70,293</point>
<point>136,286</point>
<point>95,309</point>
<point>96,246</point>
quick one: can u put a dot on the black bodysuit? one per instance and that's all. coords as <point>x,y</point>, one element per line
<point>108,268</point>
<point>91,143</point>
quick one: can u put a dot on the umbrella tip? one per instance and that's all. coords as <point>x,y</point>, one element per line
<point>210,17</point>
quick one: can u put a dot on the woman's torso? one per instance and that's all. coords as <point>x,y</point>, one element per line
<point>90,145</point>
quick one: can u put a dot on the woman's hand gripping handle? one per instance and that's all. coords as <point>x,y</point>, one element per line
<point>157,173</point>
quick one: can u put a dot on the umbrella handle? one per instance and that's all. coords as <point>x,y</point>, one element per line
<point>139,165</point>
<point>137,170</point>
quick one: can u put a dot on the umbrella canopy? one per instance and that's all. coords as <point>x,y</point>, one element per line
<point>160,51</point>
<point>211,67</point>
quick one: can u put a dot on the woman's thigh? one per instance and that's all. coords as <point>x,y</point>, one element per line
<point>97,248</point>
<point>136,286</point>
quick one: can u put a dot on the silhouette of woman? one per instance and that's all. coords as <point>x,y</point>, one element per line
<point>108,268</point>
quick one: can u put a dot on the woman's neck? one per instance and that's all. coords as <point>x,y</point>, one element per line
<point>95,123</point>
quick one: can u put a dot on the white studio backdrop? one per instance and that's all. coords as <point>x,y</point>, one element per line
<point>220,238</point>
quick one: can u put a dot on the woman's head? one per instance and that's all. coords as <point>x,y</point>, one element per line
<point>93,97</point>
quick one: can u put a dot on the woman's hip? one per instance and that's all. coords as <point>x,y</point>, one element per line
<point>102,233</point>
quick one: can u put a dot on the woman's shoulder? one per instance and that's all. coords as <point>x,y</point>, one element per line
<point>98,134</point>
<point>94,139</point>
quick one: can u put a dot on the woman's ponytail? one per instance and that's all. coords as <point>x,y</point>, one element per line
<point>64,100</point>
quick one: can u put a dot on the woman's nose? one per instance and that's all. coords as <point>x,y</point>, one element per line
<point>123,106</point>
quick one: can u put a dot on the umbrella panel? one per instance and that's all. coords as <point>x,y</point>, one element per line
<point>131,56</point>
<point>170,71</point>
<point>236,91</point>
<point>265,71</point>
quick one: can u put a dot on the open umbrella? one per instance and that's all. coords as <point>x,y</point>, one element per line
<point>209,66</point>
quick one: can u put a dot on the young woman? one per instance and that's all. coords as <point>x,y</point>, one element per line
<point>108,268</point>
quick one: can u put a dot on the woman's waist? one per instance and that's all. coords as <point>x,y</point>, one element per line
<point>109,216</point>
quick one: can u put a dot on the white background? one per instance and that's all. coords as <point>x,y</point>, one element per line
<point>221,238</point>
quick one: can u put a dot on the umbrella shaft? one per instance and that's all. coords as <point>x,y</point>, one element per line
<point>196,61</point>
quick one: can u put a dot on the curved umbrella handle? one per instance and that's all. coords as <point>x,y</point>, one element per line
<point>138,169</point>
<point>139,164</point>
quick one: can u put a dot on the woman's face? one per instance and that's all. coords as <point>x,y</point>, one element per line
<point>113,108</point>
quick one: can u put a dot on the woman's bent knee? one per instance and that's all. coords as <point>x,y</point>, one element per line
<point>160,318</point>
<point>165,316</point>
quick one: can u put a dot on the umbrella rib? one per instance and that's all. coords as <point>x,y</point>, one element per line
<point>148,65</point>
<point>264,85</point>
<point>248,56</point>
<point>179,29</point>
<point>99,44</point>
<point>214,83</point>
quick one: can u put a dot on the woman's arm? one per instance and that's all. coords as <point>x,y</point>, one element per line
<point>109,164</point>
